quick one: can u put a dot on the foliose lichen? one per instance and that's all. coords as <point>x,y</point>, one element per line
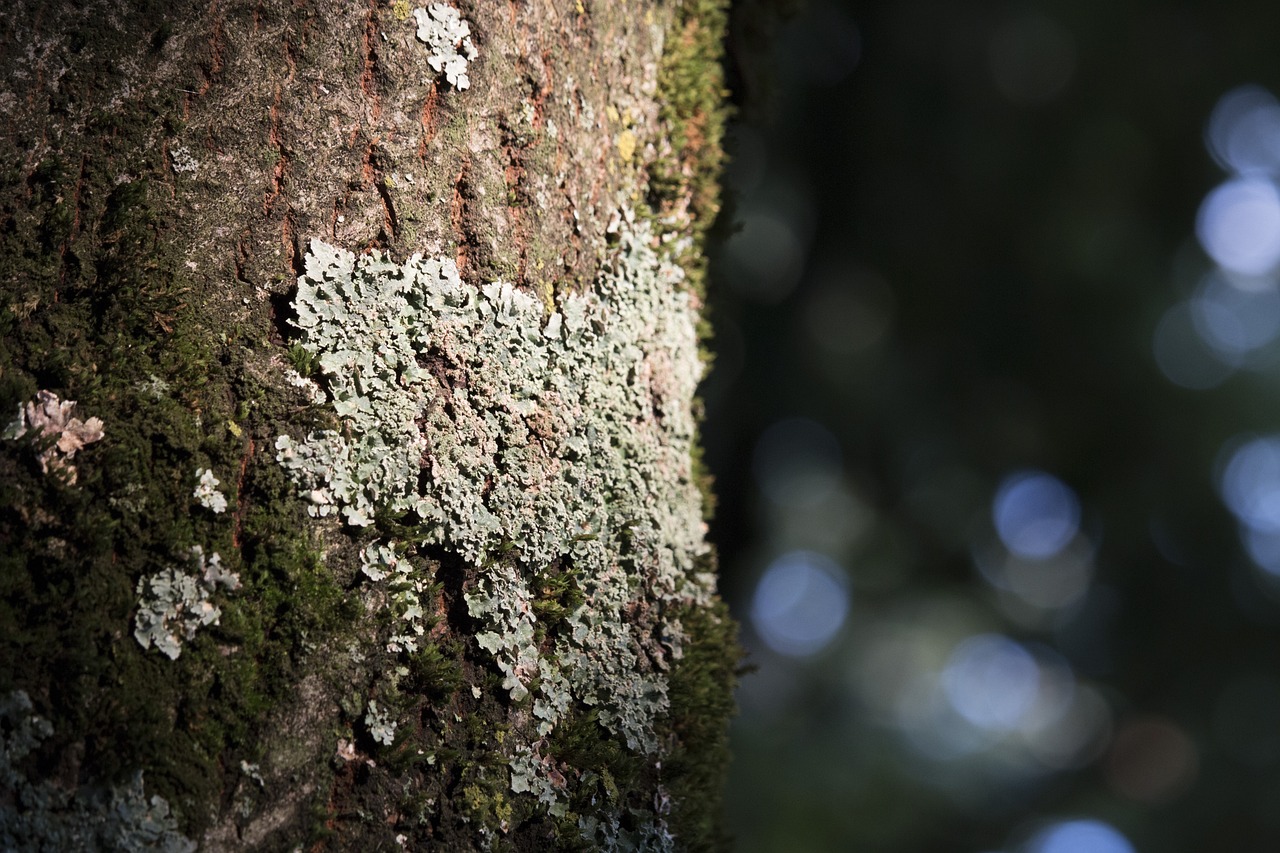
<point>535,773</point>
<point>207,491</point>
<point>381,562</point>
<point>182,161</point>
<point>176,604</point>
<point>312,390</point>
<point>43,817</point>
<point>521,441</point>
<point>49,416</point>
<point>381,725</point>
<point>442,29</point>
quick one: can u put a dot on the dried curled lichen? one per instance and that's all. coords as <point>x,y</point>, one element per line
<point>49,416</point>
<point>521,440</point>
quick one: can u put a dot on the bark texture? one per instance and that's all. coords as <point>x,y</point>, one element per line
<point>168,171</point>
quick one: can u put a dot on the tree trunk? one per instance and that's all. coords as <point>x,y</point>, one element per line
<point>351,497</point>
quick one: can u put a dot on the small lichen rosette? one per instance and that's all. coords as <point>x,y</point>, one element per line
<point>542,438</point>
<point>175,604</point>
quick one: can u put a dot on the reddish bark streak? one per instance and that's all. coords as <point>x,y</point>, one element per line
<point>217,47</point>
<point>428,119</point>
<point>240,506</point>
<point>372,176</point>
<point>276,141</point>
<point>458,216</point>
<point>368,77</point>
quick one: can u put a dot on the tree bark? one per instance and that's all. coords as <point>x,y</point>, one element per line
<point>277,248</point>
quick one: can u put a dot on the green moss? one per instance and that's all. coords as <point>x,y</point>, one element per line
<point>694,109</point>
<point>701,705</point>
<point>612,773</point>
<point>556,596</point>
<point>302,359</point>
<point>97,304</point>
<point>435,673</point>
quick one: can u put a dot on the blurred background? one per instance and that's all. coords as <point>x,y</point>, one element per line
<point>995,425</point>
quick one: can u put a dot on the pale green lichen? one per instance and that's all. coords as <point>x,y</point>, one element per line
<point>154,387</point>
<point>442,29</point>
<point>521,441</point>
<point>537,774</point>
<point>379,562</point>
<point>254,772</point>
<point>182,161</point>
<point>651,836</point>
<point>43,817</point>
<point>312,390</point>
<point>380,723</point>
<point>175,604</point>
<point>207,491</point>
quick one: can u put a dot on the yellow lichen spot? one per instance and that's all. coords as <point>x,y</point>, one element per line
<point>582,10</point>
<point>234,429</point>
<point>502,810</point>
<point>626,145</point>
<point>612,112</point>
<point>401,10</point>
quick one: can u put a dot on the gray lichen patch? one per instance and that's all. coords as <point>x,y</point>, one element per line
<point>42,816</point>
<point>47,416</point>
<point>520,440</point>
<point>175,604</point>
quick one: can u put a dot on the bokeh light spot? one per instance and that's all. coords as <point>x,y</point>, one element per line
<point>1036,514</point>
<point>1250,484</point>
<point>1263,547</point>
<point>800,603</point>
<point>1079,836</point>
<point>1056,582</point>
<point>765,256</point>
<point>1243,134</point>
<point>991,681</point>
<point>1236,315</point>
<point>849,309</point>
<point>1239,225</point>
<point>1077,736</point>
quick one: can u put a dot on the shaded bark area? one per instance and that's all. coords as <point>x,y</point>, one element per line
<point>162,169</point>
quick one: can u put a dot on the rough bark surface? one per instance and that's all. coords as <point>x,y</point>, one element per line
<point>164,169</point>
